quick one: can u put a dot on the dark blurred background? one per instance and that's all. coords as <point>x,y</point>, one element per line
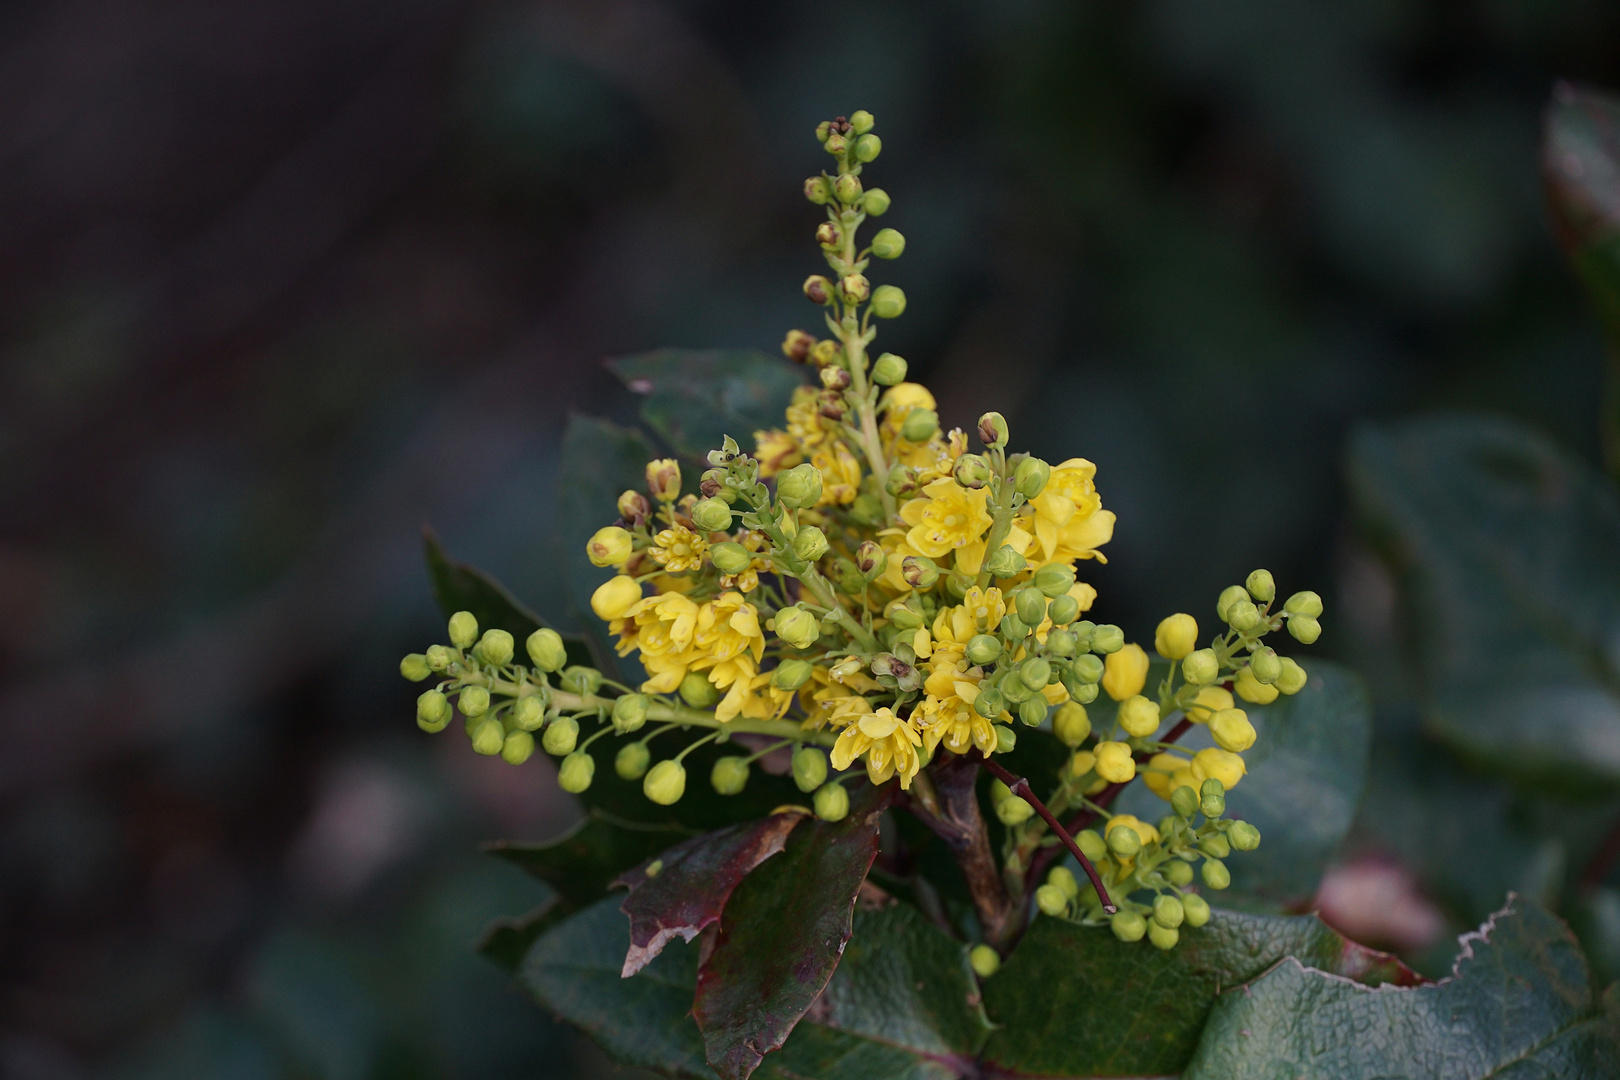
<point>281,281</point>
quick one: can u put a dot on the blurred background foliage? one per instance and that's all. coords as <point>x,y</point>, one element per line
<point>283,280</point>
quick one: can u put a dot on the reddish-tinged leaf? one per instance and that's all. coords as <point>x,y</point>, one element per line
<point>781,937</point>
<point>692,882</point>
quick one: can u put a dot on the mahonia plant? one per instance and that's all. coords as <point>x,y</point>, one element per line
<point>865,590</point>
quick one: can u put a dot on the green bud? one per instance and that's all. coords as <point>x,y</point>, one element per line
<point>1071,724</point>
<point>919,571</point>
<point>629,713</point>
<point>631,761</point>
<point>861,121</point>
<point>983,649</point>
<point>576,772</point>
<point>920,425</point>
<point>984,960</point>
<point>831,801</point>
<point>1243,615</point>
<point>809,767</point>
<point>697,691</point>
<point>1261,587</point>
<point>546,649</point>
<point>1292,679</point>
<point>791,674</point>
<point>818,290</point>
<point>1035,672</point>
<point>1243,836</point>
<point>1031,476</point>
<point>1196,908</point>
<point>415,667</point>
<point>1083,630</point>
<point>1055,580</point>
<point>1091,843</point>
<point>848,188</point>
<point>868,147</point>
<point>797,627</point>
<point>818,190</point>
<point>1305,603</point>
<point>1013,689</point>
<point>799,486</point>
<point>1184,801</point>
<point>888,302</point>
<point>875,202</point>
<point>889,368</point>
<point>833,142</point>
<point>1215,846</point>
<point>665,783</point>
<point>1163,937</point>
<point>1215,874</point>
<point>1063,611</point>
<point>1123,841</point>
<point>1032,712</point>
<point>527,714</point>
<point>729,775</point>
<point>1304,629</point>
<point>1087,668</point>
<point>1061,643</point>
<point>438,658</point>
<point>992,430</point>
<point>1200,667</point>
<point>1168,912</point>
<point>1005,562</point>
<point>957,584</point>
<point>1084,693</point>
<point>888,244</point>
<point>810,543</point>
<point>854,289</point>
<point>971,471</point>
<point>1212,798</point>
<point>1006,737</point>
<point>1051,900</point>
<point>712,515</point>
<point>1064,880</point>
<point>495,647</point>
<point>560,736</point>
<point>1030,605</point>
<point>517,748</point>
<point>867,509</point>
<point>463,629</point>
<point>580,679</point>
<point>1013,811</point>
<point>904,617</point>
<point>1229,596</point>
<point>432,711</point>
<point>473,701</point>
<point>488,738</point>
<point>1128,925</point>
<point>1265,666</point>
<point>990,704</point>
<point>1107,638</point>
<point>1176,872</point>
<point>730,557</point>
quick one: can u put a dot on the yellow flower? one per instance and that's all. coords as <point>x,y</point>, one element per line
<point>1144,832</point>
<point>1176,636</point>
<point>1223,765</point>
<point>776,452</point>
<point>898,401</point>
<point>1139,716</point>
<point>980,612</point>
<point>948,518</point>
<point>1114,762</point>
<point>1160,772</point>
<point>754,698</point>
<point>614,597</point>
<point>678,549</point>
<point>840,473</point>
<point>947,713</point>
<point>609,547</point>
<point>664,626</point>
<point>1125,672</point>
<point>1082,762</point>
<point>1252,690</point>
<point>748,580</point>
<point>1210,700</point>
<point>728,640</point>
<point>888,744</point>
<point>1232,730</point>
<point>1070,522</point>
<point>825,692</point>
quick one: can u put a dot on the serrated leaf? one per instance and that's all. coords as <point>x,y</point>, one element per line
<point>1509,551</point>
<point>692,882</point>
<point>1519,1004</point>
<point>1580,161</point>
<point>696,397</point>
<point>1076,1001</point>
<point>781,937</point>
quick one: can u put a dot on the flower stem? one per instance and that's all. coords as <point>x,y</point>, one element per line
<point>1020,788</point>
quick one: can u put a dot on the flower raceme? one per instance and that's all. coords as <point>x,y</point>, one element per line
<point>866,588</point>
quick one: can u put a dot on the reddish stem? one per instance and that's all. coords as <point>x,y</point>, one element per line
<point>1020,788</point>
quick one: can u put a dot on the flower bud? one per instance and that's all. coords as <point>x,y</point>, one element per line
<point>463,630</point>
<point>1127,925</point>
<point>1163,937</point>
<point>1061,643</point>
<point>495,647</point>
<point>614,597</point>
<point>1013,811</point>
<point>956,586</point>
<point>867,509</point>
<point>827,354</point>
<point>1184,801</point>
<point>1125,671</point>
<point>1108,639</point>
<point>580,679</point>
<point>730,557</point>
<point>1035,672</point>
<point>560,736</point>
<point>1005,562</point>
<point>903,617</point>
<point>835,378</point>
<point>432,711</point>
<point>1006,738</point>
<point>1071,724</point>
<point>1176,637</point>
<point>1243,615</point>
<point>810,543</point>
<point>1212,797</point>
<point>888,244</point>
<point>834,143</point>
<point>920,425</point>
<point>1051,900</point>
<point>818,290</point>
<point>1292,678</point>
<point>629,713</point>
<point>1139,716</point>
<point>1215,874</point>
<point>1305,603</point>
<point>697,691</point>
<point>664,479</point>
<point>527,713</point>
<point>1304,629</point>
<point>1215,846</point>
<point>438,658</point>
<point>665,783</point>
<point>1176,872</point>
<point>984,960</point>
<point>799,487</point>
<point>1087,668</point>
<point>488,738</point>
<point>1124,841</point>
<point>1196,909</point>
<point>875,202</point>
<point>791,674</point>
<point>712,515</point>
<point>1013,690</point>
<point>1216,764</point>
<point>1032,712</point>
<point>415,667</point>
<point>827,235</point>
<point>919,571</point>
<point>868,147</point>
<point>888,302</point>
<point>546,649</point>
<point>576,772</point>
<point>861,121</point>
<point>631,761</point>
<point>633,506</point>
<point>1114,762</point>
<point>990,703</point>
<point>983,649</point>
<point>854,288</point>
<point>1232,730</point>
<point>1167,911</point>
<point>473,701</point>
<point>1243,836</point>
<point>729,775</point>
<point>1064,880</point>
<point>796,347</point>
<point>889,370</point>
<point>831,801</point>
<point>1253,690</point>
<point>1054,580</point>
<point>809,768</point>
<point>1031,476</point>
<point>609,547</point>
<point>971,471</point>
<point>992,430</point>
<point>797,627</point>
<point>1030,604</point>
<point>848,188</point>
<point>818,190</point>
<point>1201,667</point>
<point>870,560</point>
<point>1261,586</point>
<point>1063,610</point>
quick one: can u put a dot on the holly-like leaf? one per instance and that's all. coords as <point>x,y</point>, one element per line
<point>696,397</point>
<point>1580,162</point>
<point>1509,552</point>
<point>781,936</point>
<point>685,888</point>
<point>1076,1001</point>
<point>1519,1004</point>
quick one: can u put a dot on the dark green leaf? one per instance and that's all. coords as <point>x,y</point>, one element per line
<point>692,882</point>
<point>696,397</point>
<point>814,1052</point>
<point>458,586</point>
<point>1519,1004</point>
<point>1076,1001</point>
<point>1580,159</point>
<point>580,863</point>
<point>506,940</point>
<point>1510,554</point>
<point>782,934</point>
